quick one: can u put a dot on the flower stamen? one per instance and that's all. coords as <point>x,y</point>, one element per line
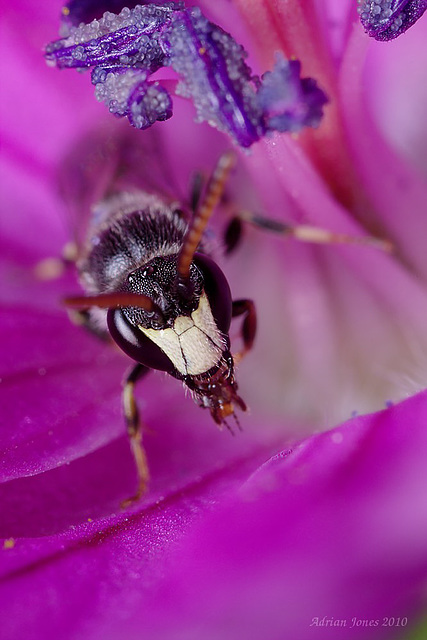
<point>388,19</point>
<point>125,49</point>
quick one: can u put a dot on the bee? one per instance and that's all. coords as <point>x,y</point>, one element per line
<point>152,286</point>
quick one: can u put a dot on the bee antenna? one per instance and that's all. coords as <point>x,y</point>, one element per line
<point>201,217</point>
<point>113,300</point>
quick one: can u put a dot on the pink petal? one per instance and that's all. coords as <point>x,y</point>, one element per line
<point>60,392</point>
<point>396,83</point>
<point>335,527</point>
<point>396,191</point>
<point>78,582</point>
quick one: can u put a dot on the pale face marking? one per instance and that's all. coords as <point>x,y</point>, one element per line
<point>194,344</point>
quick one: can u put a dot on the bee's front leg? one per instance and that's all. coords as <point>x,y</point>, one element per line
<point>134,429</point>
<point>249,324</point>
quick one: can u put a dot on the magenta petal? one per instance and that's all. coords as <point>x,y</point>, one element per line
<point>60,499</point>
<point>61,401</point>
<point>393,186</point>
<point>101,573</point>
<point>93,486</point>
<point>396,84</point>
<point>323,291</point>
<point>60,392</point>
<point>335,527</point>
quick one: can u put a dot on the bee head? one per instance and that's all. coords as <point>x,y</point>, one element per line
<point>158,280</point>
<point>186,331</point>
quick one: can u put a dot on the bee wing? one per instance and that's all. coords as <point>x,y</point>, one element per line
<point>110,160</point>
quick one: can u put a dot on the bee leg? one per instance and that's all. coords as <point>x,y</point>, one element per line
<point>197,184</point>
<point>134,429</point>
<point>83,318</point>
<point>303,233</point>
<point>233,235</point>
<point>248,330</point>
<point>53,268</point>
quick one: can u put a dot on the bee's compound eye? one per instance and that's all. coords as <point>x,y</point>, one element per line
<point>217,290</point>
<point>135,344</point>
